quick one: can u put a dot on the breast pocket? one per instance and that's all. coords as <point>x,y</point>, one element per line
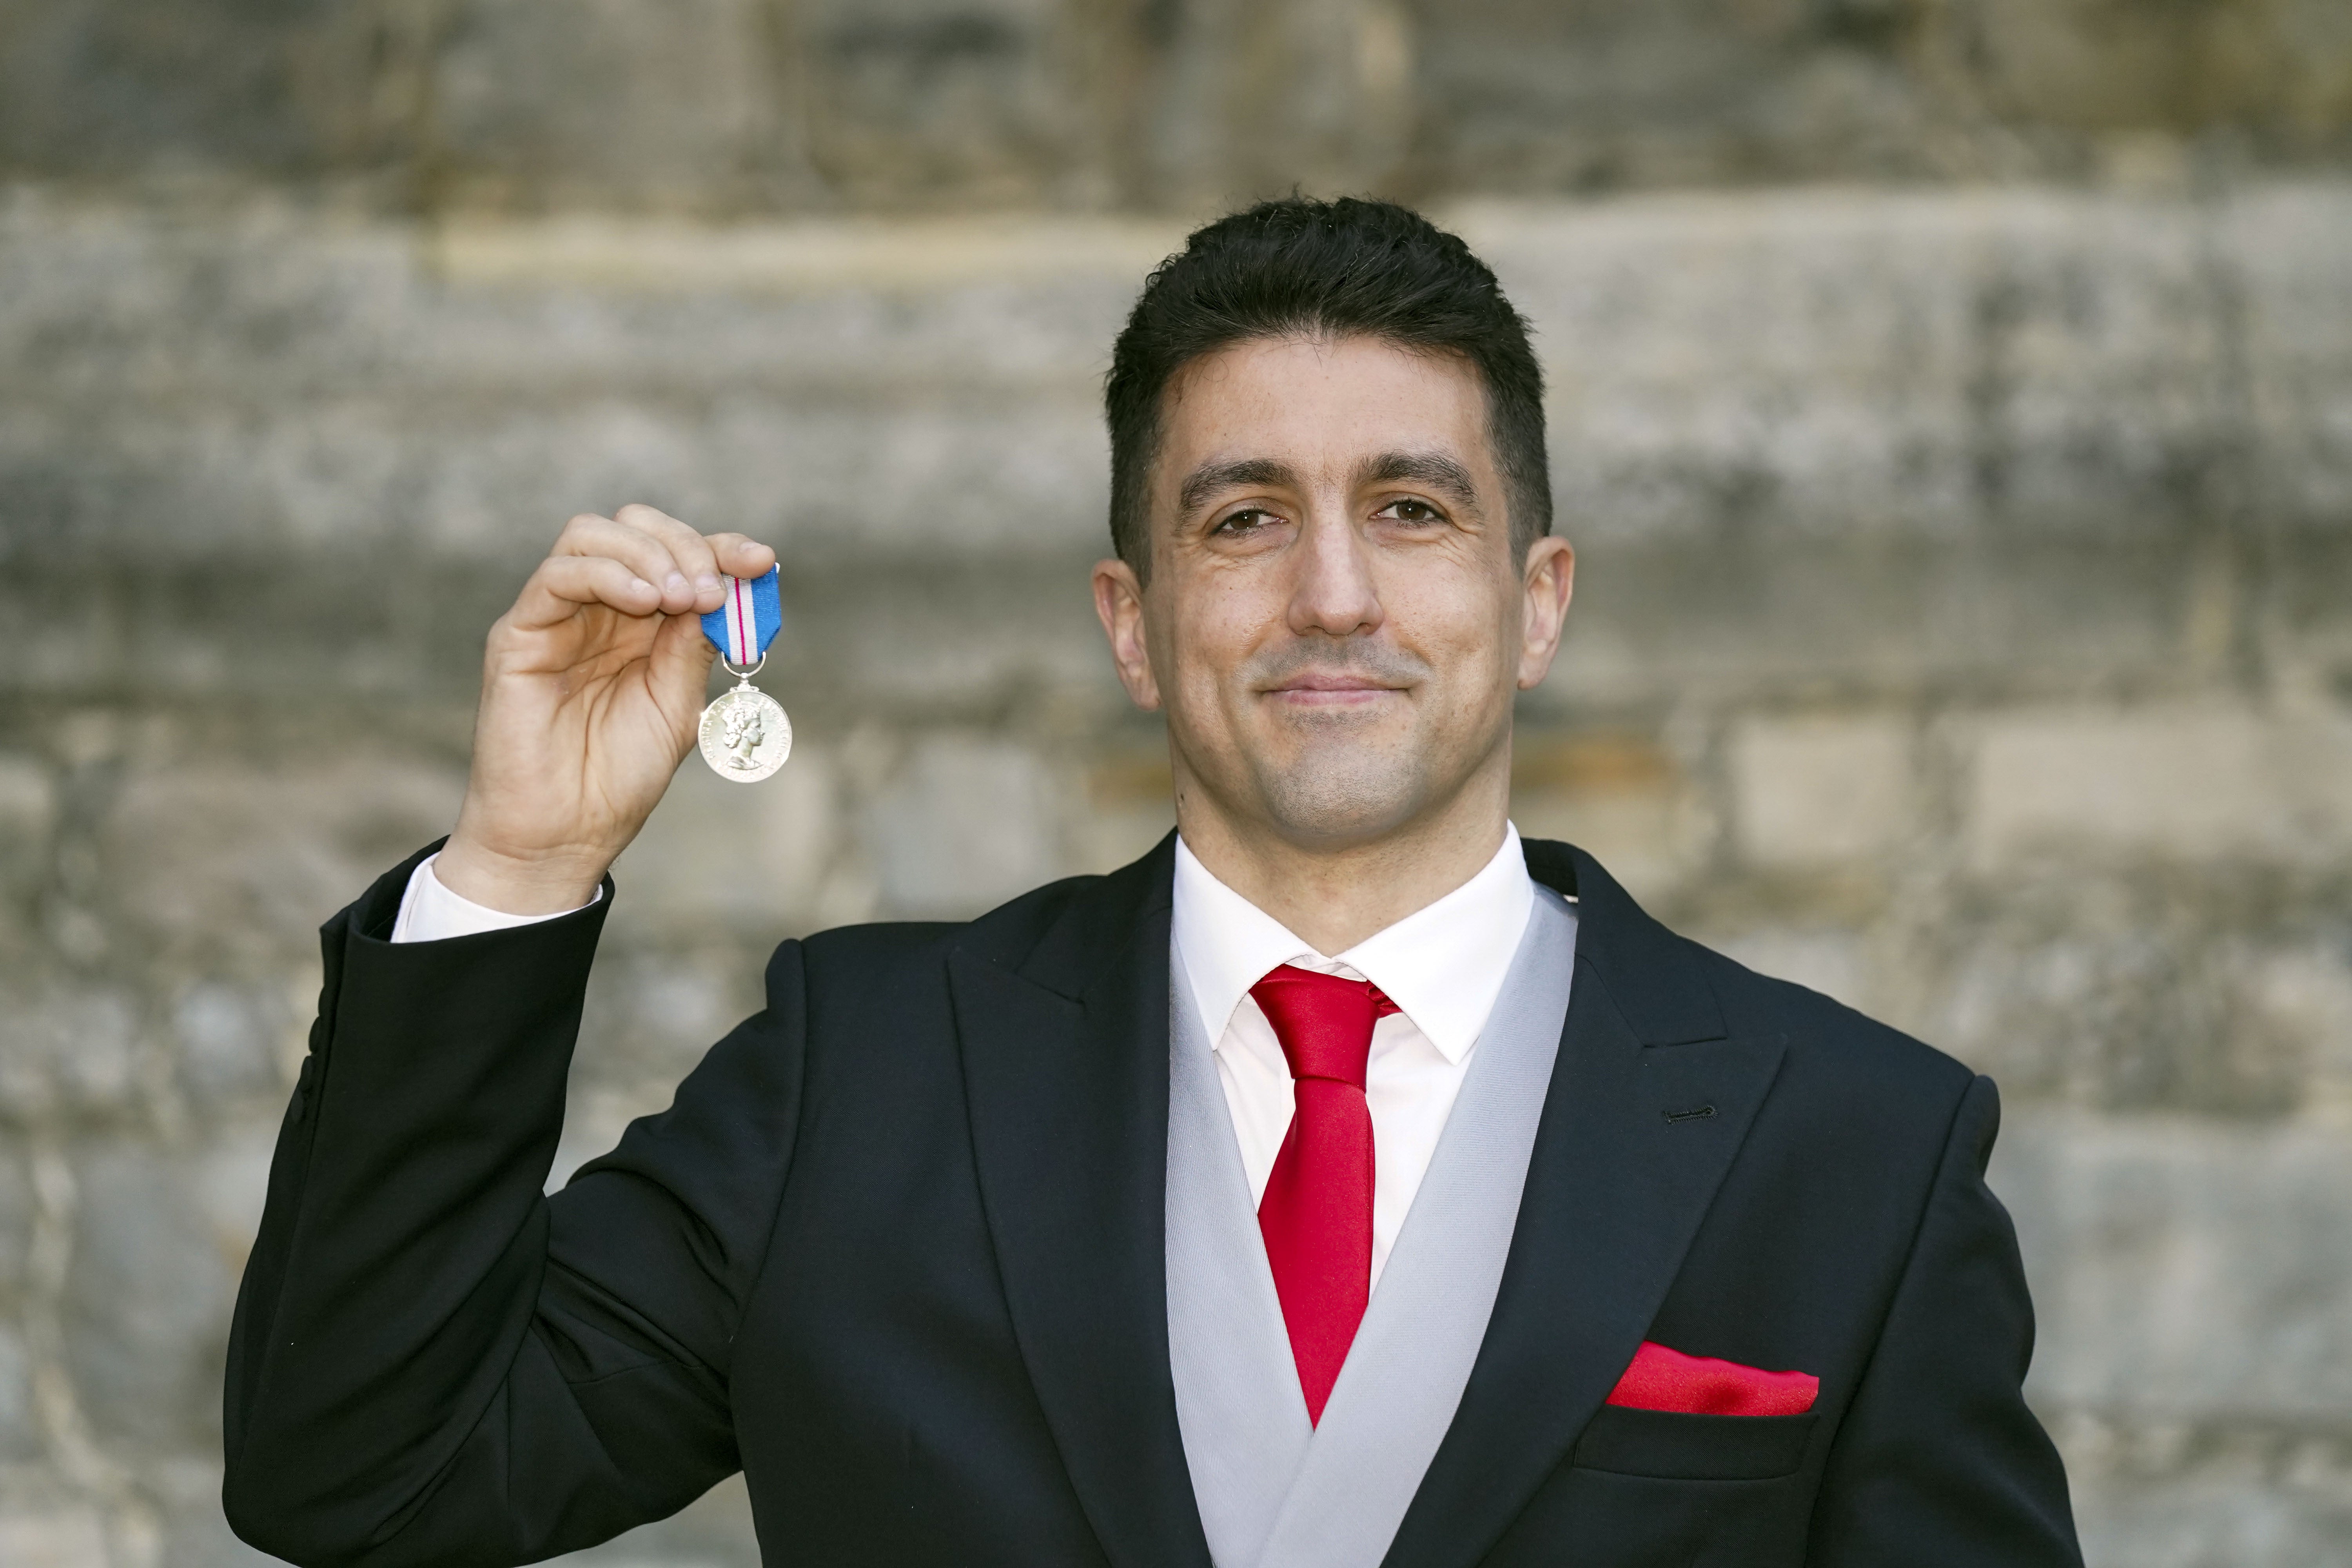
<point>1656,1489</point>
<point>1671,1445</point>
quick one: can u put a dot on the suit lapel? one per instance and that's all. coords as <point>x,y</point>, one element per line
<point>1615,1192</point>
<point>1065,1066</point>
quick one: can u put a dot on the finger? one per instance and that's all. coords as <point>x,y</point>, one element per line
<point>564,583</point>
<point>681,656</point>
<point>692,552</point>
<point>740,556</point>
<point>645,553</point>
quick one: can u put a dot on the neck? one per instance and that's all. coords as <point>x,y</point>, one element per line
<point>1335,896</point>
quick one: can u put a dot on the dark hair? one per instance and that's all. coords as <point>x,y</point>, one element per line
<point>1303,267</point>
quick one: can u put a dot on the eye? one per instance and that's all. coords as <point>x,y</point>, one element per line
<point>1409,509</point>
<point>1247,521</point>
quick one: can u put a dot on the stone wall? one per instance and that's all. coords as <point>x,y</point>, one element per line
<point>1964,624</point>
<point>774,106</point>
<point>1965,629</point>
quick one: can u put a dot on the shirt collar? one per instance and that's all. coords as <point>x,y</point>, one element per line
<point>1442,965</point>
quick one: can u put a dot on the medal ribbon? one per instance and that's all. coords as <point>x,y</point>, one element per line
<point>748,622</point>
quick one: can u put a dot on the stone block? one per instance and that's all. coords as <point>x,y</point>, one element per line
<point>1814,790</point>
<point>68,1047</point>
<point>28,810</point>
<point>2310,623</point>
<point>918,102</point>
<point>1130,805</point>
<point>1535,96</point>
<point>16,1210</point>
<point>53,1538</point>
<point>234,1040</point>
<point>2184,1269</point>
<point>1515,94</point>
<point>1893,363</point>
<point>216,861</point>
<point>2303,993</point>
<point>1831,363</point>
<point>147,1300</point>
<point>2216,990</point>
<point>499,479</point>
<point>20,1426</point>
<point>965,822</point>
<point>2298,329</point>
<point>2173,783</point>
<point>28,814</point>
<point>1621,797</point>
<point>660,996</point>
<point>607,102</point>
<point>721,853</point>
<point>2214,1520</point>
<point>938,286</point>
<point>212,87</point>
<point>1878,620</point>
<point>735,104</point>
<point>2277,70</point>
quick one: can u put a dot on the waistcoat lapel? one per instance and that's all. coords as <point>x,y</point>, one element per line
<point>1237,1396</point>
<point>1404,1375</point>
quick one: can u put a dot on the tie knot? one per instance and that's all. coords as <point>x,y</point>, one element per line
<point>1324,1022</point>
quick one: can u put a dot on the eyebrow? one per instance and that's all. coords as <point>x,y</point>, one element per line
<point>1434,469</point>
<point>1241,474</point>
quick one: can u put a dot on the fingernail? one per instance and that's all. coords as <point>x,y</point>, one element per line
<point>706,584</point>
<point>676,582</point>
<point>641,583</point>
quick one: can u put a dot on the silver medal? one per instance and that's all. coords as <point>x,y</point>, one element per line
<point>745,735</point>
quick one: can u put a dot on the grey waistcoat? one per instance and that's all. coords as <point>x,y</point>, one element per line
<point>1274,1490</point>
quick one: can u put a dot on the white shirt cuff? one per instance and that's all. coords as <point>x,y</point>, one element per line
<point>431,913</point>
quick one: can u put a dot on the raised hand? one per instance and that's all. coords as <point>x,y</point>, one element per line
<point>592,684</point>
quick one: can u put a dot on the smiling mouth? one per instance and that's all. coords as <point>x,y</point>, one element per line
<point>1332,690</point>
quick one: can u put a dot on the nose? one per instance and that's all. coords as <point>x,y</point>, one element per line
<point>1333,593</point>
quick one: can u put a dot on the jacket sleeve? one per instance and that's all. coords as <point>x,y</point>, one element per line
<point>1938,1463</point>
<point>431,1361</point>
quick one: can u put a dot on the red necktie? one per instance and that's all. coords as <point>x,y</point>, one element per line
<point>1316,1214</point>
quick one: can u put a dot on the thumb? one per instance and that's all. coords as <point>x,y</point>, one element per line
<point>681,661</point>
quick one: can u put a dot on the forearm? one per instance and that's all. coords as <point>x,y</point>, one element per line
<point>401,1253</point>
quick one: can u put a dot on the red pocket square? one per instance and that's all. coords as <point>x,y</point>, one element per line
<point>1663,1378</point>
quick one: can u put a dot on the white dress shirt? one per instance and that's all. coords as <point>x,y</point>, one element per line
<point>430,911</point>
<point>1442,965</point>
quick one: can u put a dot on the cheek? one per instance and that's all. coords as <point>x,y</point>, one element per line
<point>1217,628</point>
<point>1460,629</point>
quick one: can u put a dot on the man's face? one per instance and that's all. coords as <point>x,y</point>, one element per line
<point>1334,623</point>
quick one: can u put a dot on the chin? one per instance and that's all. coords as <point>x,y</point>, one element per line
<point>1344,804</point>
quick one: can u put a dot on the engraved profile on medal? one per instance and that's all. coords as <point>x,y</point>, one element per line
<point>745,736</point>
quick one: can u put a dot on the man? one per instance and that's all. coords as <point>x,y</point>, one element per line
<point>1345,1183</point>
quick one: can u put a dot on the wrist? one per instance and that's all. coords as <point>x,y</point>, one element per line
<point>543,884</point>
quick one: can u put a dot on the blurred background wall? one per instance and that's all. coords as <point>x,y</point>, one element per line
<point>1952,401</point>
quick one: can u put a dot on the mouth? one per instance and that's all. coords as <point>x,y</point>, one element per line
<point>1338,688</point>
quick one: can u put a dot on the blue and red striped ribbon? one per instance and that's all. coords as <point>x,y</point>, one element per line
<point>747,623</point>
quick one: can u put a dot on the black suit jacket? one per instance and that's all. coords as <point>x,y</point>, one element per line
<point>896,1251</point>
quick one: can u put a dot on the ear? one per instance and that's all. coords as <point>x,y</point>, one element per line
<point>1119,604</point>
<point>1547,584</point>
